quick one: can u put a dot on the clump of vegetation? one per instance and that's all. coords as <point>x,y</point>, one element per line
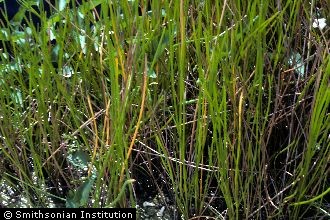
<point>218,109</point>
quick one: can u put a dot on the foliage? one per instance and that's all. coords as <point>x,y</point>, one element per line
<point>220,106</point>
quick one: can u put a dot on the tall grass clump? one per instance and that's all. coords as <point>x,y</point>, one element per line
<point>217,108</point>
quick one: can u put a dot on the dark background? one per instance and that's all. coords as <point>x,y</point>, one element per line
<point>8,8</point>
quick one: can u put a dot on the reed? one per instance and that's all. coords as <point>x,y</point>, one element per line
<point>206,101</point>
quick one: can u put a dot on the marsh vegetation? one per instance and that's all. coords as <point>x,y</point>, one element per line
<point>215,109</point>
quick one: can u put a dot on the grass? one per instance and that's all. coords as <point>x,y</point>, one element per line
<point>202,102</point>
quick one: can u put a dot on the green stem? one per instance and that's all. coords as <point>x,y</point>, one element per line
<point>121,193</point>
